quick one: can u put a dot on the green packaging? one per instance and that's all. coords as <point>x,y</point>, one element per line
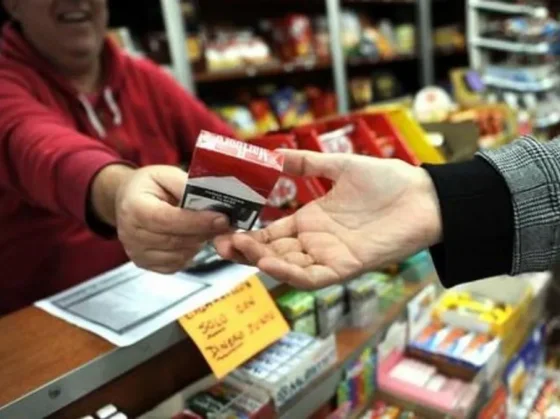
<point>298,307</point>
<point>329,307</point>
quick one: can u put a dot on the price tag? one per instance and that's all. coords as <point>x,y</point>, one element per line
<point>232,329</point>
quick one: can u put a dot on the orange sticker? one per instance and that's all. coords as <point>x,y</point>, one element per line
<point>232,329</point>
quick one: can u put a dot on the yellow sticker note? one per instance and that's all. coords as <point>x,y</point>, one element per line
<point>232,329</point>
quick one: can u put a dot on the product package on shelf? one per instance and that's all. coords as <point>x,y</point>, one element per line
<point>499,306</point>
<point>423,384</point>
<point>225,400</point>
<point>416,267</point>
<point>358,381</point>
<point>365,134</point>
<point>415,137</point>
<point>298,308</point>
<point>541,399</point>
<point>525,363</point>
<point>290,192</point>
<point>329,309</point>
<point>288,366</point>
<point>364,303</point>
<point>231,177</point>
<point>454,349</point>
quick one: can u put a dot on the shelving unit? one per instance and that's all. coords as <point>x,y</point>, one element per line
<point>509,8</point>
<point>176,30</point>
<point>477,22</point>
<point>529,86</point>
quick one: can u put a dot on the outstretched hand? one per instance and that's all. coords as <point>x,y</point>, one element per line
<point>379,212</point>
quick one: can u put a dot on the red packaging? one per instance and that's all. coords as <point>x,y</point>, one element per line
<point>290,192</point>
<point>231,177</point>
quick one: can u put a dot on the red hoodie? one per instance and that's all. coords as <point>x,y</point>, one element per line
<point>53,140</point>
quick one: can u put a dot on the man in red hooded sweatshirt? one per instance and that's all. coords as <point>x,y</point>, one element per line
<point>90,141</point>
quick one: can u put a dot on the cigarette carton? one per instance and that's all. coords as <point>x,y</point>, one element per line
<point>231,177</point>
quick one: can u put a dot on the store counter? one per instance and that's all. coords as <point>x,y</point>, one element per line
<point>49,367</point>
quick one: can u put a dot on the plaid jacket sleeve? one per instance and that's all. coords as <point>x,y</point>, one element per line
<point>532,173</point>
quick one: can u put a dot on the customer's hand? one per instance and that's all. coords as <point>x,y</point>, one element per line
<point>378,212</point>
<point>156,233</point>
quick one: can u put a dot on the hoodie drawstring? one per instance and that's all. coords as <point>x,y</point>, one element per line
<point>92,115</point>
<point>112,103</point>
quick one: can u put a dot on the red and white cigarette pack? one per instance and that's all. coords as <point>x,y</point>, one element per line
<point>231,177</point>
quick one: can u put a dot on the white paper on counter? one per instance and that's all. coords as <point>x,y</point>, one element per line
<point>127,304</point>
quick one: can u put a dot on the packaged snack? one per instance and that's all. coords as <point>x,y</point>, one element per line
<point>231,177</point>
<point>298,308</point>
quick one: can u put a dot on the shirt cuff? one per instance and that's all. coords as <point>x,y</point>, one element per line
<point>477,221</point>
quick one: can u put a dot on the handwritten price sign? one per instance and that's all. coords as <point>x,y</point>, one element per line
<point>232,329</point>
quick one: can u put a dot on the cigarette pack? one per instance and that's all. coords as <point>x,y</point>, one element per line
<point>231,177</point>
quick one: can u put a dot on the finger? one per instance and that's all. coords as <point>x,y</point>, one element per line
<point>172,179</point>
<point>155,241</point>
<point>309,163</point>
<point>160,217</point>
<point>298,258</point>
<point>283,228</point>
<point>224,246</point>
<point>251,249</point>
<point>282,246</point>
<point>311,277</point>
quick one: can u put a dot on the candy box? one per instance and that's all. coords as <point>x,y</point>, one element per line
<point>231,177</point>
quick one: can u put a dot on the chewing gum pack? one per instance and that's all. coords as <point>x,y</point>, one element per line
<point>231,177</point>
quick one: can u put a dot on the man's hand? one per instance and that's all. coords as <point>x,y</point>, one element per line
<point>142,204</point>
<point>378,212</point>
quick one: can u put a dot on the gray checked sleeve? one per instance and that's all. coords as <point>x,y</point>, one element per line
<point>532,173</point>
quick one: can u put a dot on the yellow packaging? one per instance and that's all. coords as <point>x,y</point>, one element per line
<point>412,132</point>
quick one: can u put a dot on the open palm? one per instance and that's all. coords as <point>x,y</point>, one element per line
<point>378,212</point>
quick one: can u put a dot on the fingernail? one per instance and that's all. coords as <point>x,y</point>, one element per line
<point>220,223</point>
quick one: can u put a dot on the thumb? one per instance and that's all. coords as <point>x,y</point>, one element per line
<point>309,163</point>
<point>171,179</point>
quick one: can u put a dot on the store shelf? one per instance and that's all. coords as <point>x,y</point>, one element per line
<point>303,67</point>
<point>511,46</point>
<point>350,344</point>
<point>522,86</point>
<point>360,61</point>
<point>509,8</point>
<point>261,71</point>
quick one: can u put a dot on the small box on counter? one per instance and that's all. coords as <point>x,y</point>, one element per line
<point>298,308</point>
<point>231,177</point>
